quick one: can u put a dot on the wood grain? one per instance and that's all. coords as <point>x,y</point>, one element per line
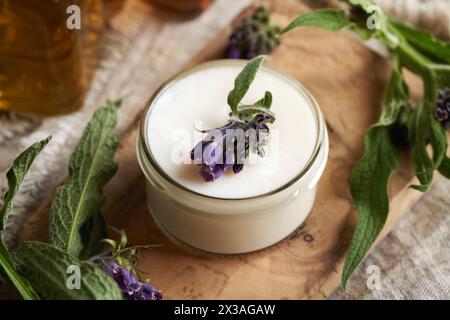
<point>347,80</point>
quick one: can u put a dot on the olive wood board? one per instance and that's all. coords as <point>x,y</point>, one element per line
<point>348,81</point>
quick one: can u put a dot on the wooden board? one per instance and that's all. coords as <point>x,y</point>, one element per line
<point>347,80</point>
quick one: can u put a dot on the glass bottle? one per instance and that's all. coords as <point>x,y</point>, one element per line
<point>45,65</point>
<point>184,6</point>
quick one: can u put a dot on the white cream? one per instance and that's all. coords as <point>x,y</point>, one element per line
<point>239,213</point>
<point>200,98</point>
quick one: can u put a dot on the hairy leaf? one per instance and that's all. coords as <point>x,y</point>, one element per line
<point>440,76</point>
<point>266,101</point>
<point>243,82</point>
<point>423,41</point>
<point>246,113</point>
<point>425,129</point>
<point>329,19</point>
<point>370,177</point>
<point>396,96</point>
<point>369,181</point>
<point>16,174</point>
<point>422,128</point>
<point>92,234</point>
<point>17,280</point>
<point>364,4</point>
<point>444,168</point>
<point>47,269</point>
<point>91,167</point>
<point>422,54</point>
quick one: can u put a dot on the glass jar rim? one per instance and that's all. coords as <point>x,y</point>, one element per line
<point>144,139</point>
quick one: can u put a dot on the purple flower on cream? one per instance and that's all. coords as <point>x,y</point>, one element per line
<point>228,146</point>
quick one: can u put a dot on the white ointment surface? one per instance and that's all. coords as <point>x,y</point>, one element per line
<point>199,100</point>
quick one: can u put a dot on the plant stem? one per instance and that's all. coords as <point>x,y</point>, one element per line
<point>9,270</point>
<point>411,58</point>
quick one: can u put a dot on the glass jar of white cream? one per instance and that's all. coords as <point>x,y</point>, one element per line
<point>237,213</point>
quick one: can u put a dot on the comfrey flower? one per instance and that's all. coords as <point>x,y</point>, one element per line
<point>254,36</point>
<point>442,112</point>
<point>120,264</point>
<point>227,147</point>
<point>130,285</point>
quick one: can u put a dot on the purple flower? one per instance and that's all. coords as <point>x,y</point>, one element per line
<point>442,112</point>
<point>228,146</point>
<point>256,35</point>
<point>132,288</point>
<point>233,52</point>
<point>211,173</point>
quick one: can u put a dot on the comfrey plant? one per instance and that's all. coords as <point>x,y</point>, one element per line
<point>422,125</point>
<point>41,270</point>
<point>247,131</point>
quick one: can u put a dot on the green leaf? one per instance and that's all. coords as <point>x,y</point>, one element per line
<point>369,182</point>
<point>424,42</point>
<point>421,127</point>
<point>110,242</point>
<point>265,102</point>
<point>429,58</point>
<point>444,167</point>
<point>329,19</point>
<point>91,167</point>
<point>370,177</point>
<point>246,113</point>
<point>123,243</point>
<point>46,268</point>
<point>17,280</point>
<point>441,76</point>
<point>243,82</point>
<point>425,129</point>
<point>15,177</point>
<point>92,234</point>
<point>417,126</point>
<point>364,4</point>
<point>396,96</point>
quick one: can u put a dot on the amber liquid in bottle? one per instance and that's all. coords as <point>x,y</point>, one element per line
<point>184,6</point>
<point>44,66</point>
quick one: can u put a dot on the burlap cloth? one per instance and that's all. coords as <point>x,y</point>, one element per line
<point>414,258</point>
